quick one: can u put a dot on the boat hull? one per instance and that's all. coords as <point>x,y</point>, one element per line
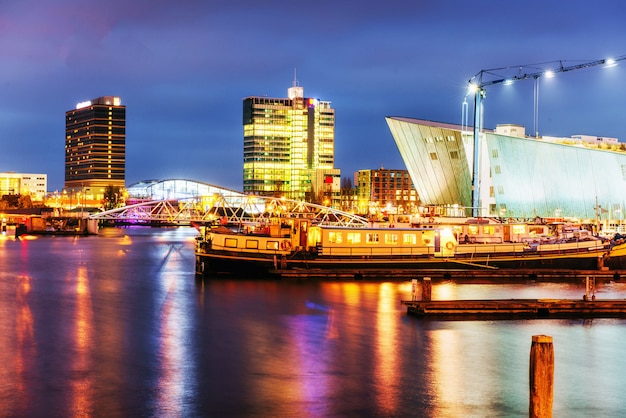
<point>617,257</point>
<point>216,263</point>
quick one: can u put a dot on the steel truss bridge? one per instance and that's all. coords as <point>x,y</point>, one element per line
<point>225,208</point>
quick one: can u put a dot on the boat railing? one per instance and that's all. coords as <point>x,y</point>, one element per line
<point>569,247</point>
<point>522,250</point>
<point>374,252</point>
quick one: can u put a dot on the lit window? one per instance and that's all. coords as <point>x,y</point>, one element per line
<point>391,239</point>
<point>371,238</point>
<point>519,229</point>
<point>489,229</point>
<point>354,237</point>
<point>335,237</point>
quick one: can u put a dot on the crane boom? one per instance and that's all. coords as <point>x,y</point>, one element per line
<point>481,79</point>
<point>493,76</point>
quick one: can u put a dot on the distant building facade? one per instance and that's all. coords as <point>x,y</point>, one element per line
<point>95,146</point>
<point>384,190</point>
<point>27,184</point>
<point>289,146</point>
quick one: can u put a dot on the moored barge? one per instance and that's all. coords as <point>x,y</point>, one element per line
<point>306,244</point>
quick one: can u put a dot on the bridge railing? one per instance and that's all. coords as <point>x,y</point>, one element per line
<point>229,209</point>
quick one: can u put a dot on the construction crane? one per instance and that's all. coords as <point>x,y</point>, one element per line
<point>485,78</point>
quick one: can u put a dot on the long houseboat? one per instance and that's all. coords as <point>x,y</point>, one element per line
<point>300,243</point>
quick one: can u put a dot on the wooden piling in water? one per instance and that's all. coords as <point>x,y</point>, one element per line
<point>541,377</point>
<point>427,289</point>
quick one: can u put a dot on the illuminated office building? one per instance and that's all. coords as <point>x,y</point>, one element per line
<point>385,190</point>
<point>95,146</point>
<point>27,184</point>
<point>289,147</point>
<point>519,176</point>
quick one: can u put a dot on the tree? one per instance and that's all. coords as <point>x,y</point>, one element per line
<point>346,186</point>
<point>24,202</point>
<point>112,197</point>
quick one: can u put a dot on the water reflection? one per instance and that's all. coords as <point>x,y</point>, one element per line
<point>81,359</point>
<point>386,362</point>
<point>175,371</point>
<point>115,325</point>
<point>26,347</point>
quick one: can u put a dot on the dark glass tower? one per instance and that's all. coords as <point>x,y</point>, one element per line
<point>95,145</point>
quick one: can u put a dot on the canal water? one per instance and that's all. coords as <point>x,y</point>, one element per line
<point>117,325</point>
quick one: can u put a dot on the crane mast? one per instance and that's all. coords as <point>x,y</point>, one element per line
<point>485,78</point>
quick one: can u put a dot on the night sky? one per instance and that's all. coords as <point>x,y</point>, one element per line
<point>183,67</point>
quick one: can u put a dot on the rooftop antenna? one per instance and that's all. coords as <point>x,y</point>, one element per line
<point>295,91</point>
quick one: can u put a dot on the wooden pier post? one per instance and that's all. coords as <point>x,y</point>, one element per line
<point>427,289</point>
<point>590,288</point>
<point>541,377</point>
<point>414,289</point>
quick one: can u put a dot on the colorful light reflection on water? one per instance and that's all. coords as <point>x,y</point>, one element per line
<point>117,325</point>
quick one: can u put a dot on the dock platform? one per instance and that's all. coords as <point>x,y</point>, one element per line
<point>517,309</point>
<point>460,275</point>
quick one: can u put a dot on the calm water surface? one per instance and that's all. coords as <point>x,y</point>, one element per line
<point>117,325</point>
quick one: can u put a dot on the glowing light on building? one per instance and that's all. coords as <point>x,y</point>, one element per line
<point>83,104</point>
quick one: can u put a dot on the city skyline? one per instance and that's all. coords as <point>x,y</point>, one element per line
<point>182,71</point>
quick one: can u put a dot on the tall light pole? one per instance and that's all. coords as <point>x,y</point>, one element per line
<point>478,127</point>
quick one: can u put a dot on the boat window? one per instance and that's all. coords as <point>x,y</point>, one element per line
<point>271,245</point>
<point>410,239</point>
<point>230,242</point>
<point>472,229</point>
<point>519,229</point>
<point>391,238</point>
<point>252,244</point>
<point>354,237</point>
<point>371,238</point>
<point>489,229</point>
<point>335,237</point>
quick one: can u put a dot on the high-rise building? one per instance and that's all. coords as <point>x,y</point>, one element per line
<point>289,147</point>
<point>95,146</point>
